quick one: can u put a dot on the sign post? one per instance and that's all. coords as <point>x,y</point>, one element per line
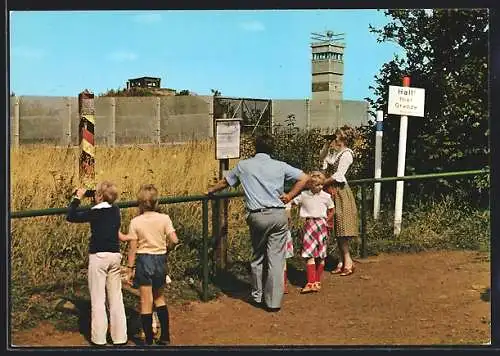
<point>227,146</point>
<point>404,101</point>
<point>86,110</point>
<point>378,162</point>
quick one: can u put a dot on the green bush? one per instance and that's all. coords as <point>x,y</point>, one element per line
<point>446,223</point>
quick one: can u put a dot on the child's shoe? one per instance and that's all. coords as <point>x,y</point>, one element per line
<point>309,288</point>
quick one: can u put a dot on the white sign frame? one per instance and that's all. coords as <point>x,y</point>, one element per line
<point>406,101</point>
<point>227,134</point>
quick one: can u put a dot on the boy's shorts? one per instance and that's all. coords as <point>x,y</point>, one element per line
<point>150,270</point>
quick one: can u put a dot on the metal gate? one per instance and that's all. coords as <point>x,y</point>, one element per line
<point>254,113</point>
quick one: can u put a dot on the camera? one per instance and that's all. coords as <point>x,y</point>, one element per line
<point>89,193</point>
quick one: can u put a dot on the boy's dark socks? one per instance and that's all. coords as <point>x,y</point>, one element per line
<point>164,324</point>
<point>147,326</point>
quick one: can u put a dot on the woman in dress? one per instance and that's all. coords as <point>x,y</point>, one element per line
<point>337,157</point>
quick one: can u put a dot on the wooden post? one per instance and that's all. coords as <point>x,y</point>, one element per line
<point>112,133</point>
<point>15,124</point>
<point>221,248</point>
<point>221,253</point>
<point>86,109</point>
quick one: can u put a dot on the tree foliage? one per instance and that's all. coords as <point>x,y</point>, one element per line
<point>183,92</point>
<point>447,55</point>
<point>129,92</point>
<point>215,92</point>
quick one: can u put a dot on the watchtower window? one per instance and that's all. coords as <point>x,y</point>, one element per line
<point>327,56</point>
<point>320,56</point>
<point>338,56</point>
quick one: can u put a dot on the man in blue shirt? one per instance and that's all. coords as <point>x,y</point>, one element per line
<point>263,181</point>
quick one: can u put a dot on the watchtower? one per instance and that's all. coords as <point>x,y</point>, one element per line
<point>327,65</point>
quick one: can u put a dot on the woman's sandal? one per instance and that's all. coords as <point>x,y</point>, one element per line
<point>339,269</point>
<point>309,288</point>
<point>347,271</point>
<point>317,286</point>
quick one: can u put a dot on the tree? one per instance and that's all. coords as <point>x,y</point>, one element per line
<point>216,92</point>
<point>184,92</point>
<point>446,54</point>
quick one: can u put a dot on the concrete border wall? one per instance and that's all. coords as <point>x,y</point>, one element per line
<point>119,120</point>
<point>153,120</point>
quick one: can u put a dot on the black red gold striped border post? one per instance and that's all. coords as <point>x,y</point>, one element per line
<point>86,110</point>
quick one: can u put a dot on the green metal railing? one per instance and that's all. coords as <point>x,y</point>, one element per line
<point>364,183</point>
<point>368,181</point>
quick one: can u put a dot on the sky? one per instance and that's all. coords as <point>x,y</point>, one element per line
<point>251,53</point>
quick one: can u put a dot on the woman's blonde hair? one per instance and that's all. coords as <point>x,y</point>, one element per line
<point>108,191</point>
<point>346,134</point>
<point>147,198</point>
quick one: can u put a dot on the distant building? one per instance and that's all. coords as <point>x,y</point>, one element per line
<point>152,83</point>
<point>144,82</point>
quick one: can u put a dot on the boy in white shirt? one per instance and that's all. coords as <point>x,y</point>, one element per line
<point>316,207</point>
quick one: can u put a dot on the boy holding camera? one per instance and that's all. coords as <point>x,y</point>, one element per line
<point>104,261</point>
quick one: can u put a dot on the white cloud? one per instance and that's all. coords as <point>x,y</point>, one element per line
<point>27,52</point>
<point>147,18</point>
<point>253,26</point>
<point>123,56</point>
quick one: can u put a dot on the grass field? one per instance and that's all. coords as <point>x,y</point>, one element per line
<point>44,176</point>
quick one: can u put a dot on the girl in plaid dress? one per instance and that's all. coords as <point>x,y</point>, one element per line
<point>316,206</point>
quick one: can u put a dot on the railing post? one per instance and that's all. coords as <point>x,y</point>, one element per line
<point>205,249</point>
<point>215,232</point>
<point>363,221</point>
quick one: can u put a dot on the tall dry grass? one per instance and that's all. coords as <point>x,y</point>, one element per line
<point>50,250</point>
<point>39,173</point>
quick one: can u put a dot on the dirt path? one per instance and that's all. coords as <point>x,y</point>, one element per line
<point>426,298</point>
